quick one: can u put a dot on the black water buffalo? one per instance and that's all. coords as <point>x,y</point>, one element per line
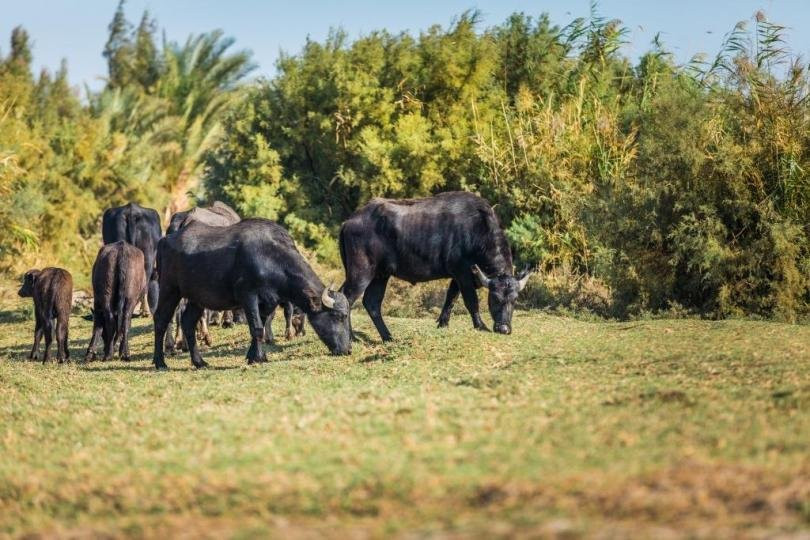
<point>52,291</point>
<point>294,320</point>
<point>453,235</point>
<point>253,264</point>
<point>140,227</point>
<point>118,285</point>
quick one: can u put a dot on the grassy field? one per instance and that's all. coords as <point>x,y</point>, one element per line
<point>566,428</point>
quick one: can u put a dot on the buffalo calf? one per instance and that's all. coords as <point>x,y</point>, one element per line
<point>52,291</point>
<point>119,283</point>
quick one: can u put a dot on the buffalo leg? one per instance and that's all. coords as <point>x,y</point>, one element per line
<point>170,344</point>
<point>109,332</point>
<point>191,315</point>
<point>268,327</point>
<point>470,297</point>
<point>288,315</point>
<point>452,294</point>
<point>62,352</point>
<point>145,303</point>
<point>255,353</point>
<point>123,328</point>
<point>206,336</point>
<point>175,334</point>
<point>48,330</point>
<point>163,315</point>
<point>372,301</point>
<point>353,290</point>
<point>152,293</point>
<point>91,348</point>
<point>37,338</point>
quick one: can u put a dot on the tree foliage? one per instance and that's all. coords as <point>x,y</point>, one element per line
<point>675,187</point>
<point>143,137</point>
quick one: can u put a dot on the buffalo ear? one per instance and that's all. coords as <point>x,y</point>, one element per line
<point>315,303</point>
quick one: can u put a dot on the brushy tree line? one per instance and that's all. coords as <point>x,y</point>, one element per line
<point>676,187</point>
<point>143,137</point>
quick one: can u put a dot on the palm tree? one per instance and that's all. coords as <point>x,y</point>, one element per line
<point>199,80</point>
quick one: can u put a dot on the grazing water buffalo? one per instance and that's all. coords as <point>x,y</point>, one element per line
<point>118,284</point>
<point>52,291</point>
<point>140,227</point>
<point>294,320</point>
<point>252,264</point>
<point>453,235</point>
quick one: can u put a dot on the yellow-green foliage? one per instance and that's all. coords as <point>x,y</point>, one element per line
<point>141,139</point>
<point>673,188</point>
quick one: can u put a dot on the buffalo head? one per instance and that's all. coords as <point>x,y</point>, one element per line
<point>329,316</point>
<point>27,289</point>
<point>503,292</point>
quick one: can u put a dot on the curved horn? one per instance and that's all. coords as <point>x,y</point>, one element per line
<point>482,278</point>
<point>327,301</point>
<point>524,278</point>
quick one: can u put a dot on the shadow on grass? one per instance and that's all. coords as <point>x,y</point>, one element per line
<point>104,366</point>
<point>17,316</point>
<point>363,338</point>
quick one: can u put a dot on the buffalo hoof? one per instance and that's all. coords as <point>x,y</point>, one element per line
<point>161,367</point>
<point>227,324</point>
<point>442,323</point>
<point>202,364</point>
<point>483,328</point>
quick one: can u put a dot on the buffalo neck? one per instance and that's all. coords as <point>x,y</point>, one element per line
<point>303,282</point>
<point>496,257</point>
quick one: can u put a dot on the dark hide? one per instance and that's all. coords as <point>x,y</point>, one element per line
<point>419,240</point>
<point>118,284</point>
<point>140,227</point>
<point>52,291</point>
<point>253,265</point>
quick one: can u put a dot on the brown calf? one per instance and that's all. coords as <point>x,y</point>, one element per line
<point>118,285</point>
<point>52,291</point>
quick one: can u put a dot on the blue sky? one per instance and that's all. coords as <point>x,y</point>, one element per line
<point>77,30</point>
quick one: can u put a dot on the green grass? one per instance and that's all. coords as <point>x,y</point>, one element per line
<point>565,427</point>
